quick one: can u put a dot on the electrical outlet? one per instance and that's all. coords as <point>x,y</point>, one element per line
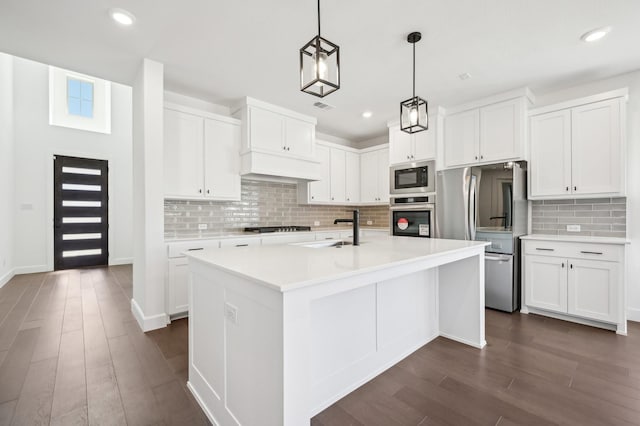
<point>231,312</point>
<point>202,226</point>
<point>573,228</point>
<point>316,223</point>
<point>369,222</point>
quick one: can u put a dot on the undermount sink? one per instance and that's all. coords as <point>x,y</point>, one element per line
<point>323,244</point>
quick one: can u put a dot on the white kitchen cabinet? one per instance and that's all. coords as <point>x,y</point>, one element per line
<point>486,133</point>
<point>352,177</point>
<point>577,280</point>
<point>337,177</point>
<point>374,176</point>
<point>319,190</point>
<point>405,147</point>
<point>240,242</point>
<point>201,155</point>
<point>277,141</point>
<point>178,294</point>
<point>578,151</point>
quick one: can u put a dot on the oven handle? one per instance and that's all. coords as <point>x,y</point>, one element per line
<point>421,206</point>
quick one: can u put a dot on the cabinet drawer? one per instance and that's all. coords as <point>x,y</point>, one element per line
<point>608,252</point>
<point>176,249</point>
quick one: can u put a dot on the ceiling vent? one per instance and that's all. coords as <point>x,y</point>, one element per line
<point>323,106</point>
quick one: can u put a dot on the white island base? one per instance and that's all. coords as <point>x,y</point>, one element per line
<point>279,333</point>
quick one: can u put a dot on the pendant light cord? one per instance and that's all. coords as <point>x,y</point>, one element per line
<point>414,70</point>
<point>318,18</point>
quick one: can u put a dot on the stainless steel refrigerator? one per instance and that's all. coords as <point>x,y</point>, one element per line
<point>488,203</point>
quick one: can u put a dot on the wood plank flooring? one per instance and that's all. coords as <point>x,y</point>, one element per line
<point>72,353</point>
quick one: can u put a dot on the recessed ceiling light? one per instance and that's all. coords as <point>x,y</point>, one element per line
<point>122,16</point>
<point>464,76</point>
<point>595,35</point>
<point>367,114</point>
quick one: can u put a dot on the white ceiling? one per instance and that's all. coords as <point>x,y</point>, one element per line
<point>222,50</point>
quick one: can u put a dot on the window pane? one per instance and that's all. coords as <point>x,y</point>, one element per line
<point>87,91</point>
<point>75,106</point>
<point>86,108</point>
<point>70,203</point>
<point>76,253</point>
<point>78,187</point>
<point>68,237</point>
<point>81,171</point>
<point>73,88</point>
<point>81,220</point>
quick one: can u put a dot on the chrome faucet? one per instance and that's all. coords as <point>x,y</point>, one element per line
<point>356,226</point>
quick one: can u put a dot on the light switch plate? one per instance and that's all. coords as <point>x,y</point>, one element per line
<point>369,222</point>
<point>316,223</point>
<point>202,226</point>
<point>573,228</point>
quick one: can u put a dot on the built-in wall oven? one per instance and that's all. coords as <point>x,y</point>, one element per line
<point>413,178</point>
<point>412,216</point>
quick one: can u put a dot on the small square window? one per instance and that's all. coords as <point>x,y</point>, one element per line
<point>80,97</point>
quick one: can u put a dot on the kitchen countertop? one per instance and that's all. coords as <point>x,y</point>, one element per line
<point>576,239</point>
<point>241,234</point>
<point>287,266</point>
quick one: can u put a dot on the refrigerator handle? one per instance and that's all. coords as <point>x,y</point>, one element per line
<point>465,198</point>
<point>472,208</point>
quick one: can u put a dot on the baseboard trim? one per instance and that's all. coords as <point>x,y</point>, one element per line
<point>633,314</point>
<point>148,323</point>
<point>465,341</point>
<point>32,269</point>
<point>7,277</point>
<point>121,261</point>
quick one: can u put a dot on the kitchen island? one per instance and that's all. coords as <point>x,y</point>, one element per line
<point>278,333</point>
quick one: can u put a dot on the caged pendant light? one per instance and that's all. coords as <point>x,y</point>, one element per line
<point>319,65</point>
<point>413,112</point>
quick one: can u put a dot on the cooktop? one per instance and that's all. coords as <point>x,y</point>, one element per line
<point>264,229</point>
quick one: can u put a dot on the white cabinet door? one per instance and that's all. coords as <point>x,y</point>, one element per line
<point>352,177</point>
<point>424,144</point>
<point>266,130</point>
<point>178,300</point>
<point>501,131</point>
<point>183,164</point>
<point>337,176</point>
<point>319,190</point>
<point>239,242</point>
<point>461,138</point>
<point>299,137</point>
<point>596,148</point>
<point>222,160</point>
<point>369,179</point>
<point>400,145</point>
<point>550,162</point>
<point>383,175</point>
<point>546,282</point>
<point>593,289</point>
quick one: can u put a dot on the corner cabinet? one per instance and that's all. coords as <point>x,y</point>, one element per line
<point>487,131</point>
<point>277,142</point>
<point>374,176</point>
<point>339,181</point>
<point>579,151</point>
<point>201,155</point>
<point>575,280</point>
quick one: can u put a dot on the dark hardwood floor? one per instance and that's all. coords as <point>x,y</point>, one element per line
<point>71,353</point>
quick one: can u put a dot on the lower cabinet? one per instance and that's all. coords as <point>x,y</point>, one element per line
<point>577,279</point>
<point>178,294</point>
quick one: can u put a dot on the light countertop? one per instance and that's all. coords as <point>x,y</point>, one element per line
<point>241,234</point>
<point>288,266</point>
<point>576,239</point>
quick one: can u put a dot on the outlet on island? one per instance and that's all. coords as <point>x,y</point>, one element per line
<point>316,223</point>
<point>369,222</point>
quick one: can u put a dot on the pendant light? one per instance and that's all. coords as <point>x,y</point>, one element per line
<point>319,65</point>
<point>413,112</point>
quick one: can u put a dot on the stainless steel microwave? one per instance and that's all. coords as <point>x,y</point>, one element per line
<point>413,178</point>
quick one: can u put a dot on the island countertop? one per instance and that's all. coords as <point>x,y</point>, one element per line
<point>290,266</point>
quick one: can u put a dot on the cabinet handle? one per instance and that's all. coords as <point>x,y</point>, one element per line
<point>408,158</point>
<point>563,264</point>
<point>482,157</point>
<point>476,157</point>
<point>332,198</point>
<point>575,188</point>
<point>313,197</point>
<point>590,252</point>
<point>242,245</point>
<point>195,249</point>
<point>544,249</point>
<point>571,266</point>
<point>200,191</point>
<point>288,148</point>
<point>567,188</point>
<point>208,191</point>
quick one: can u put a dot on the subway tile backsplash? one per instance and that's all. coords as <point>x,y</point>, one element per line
<point>262,204</point>
<point>597,217</point>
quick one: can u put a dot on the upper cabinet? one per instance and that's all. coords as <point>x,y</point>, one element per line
<point>405,147</point>
<point>374,176</point>
<point>578,148</point>
<point>339,177</point>
<point>487,131</point>
<point>201,155</point>
<point>277,142</point>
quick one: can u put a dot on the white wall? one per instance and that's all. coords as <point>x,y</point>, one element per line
<point>35,144</point>
<point>378,140</point>
<point>632,81</point>
<point>196,103</point>
<point>6,168</point>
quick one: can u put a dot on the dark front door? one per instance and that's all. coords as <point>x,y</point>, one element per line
<point>81,207</point>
